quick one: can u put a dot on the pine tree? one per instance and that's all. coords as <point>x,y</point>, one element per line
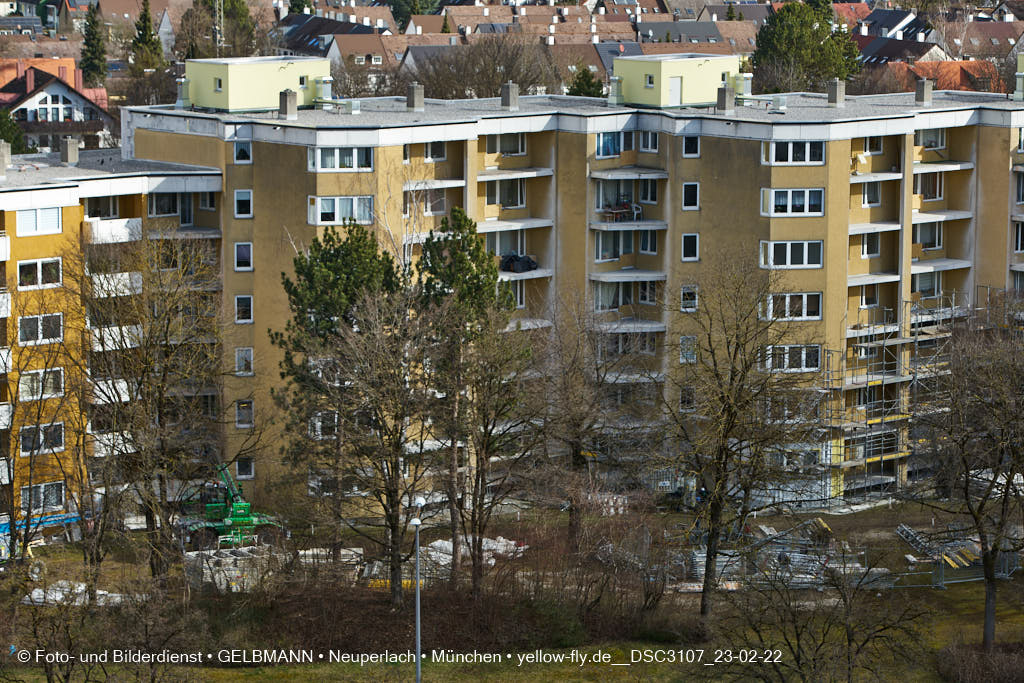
<point>297,6</point>
<point>147,52</point>
<point>10,132</point>
<point>584,84</point>
<point>444,26</point>
<point>730,14</point>
<point>94,53</point>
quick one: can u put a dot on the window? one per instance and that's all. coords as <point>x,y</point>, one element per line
<point>510,194</point>
<point>795,306</point>
<point>376,59</point>
<point>928,285</point>
<point>40,329</point>
<point>243,309</point>
<point>1018,237</point>
<point>38,222</point>
<point>42,439</point>
<point>688,299</point>
<point>243,203</point>
<point>868,296</point>
<point>691,196</point>
<point>928,235</point>
<point>434,151</point>
<point>185,208</point>
<point>507,144</point>
<point>871,194</point>
<point>101,207</point>
<point>931,138</point>
<point>163,204</point>
<point>42,497</point>
<point>929,186</point>
<point>792,358</point>
<point>1020,188</point>
<point>243,360</point>
<point>609,296</point>
<point>691,146</point>
<point>792,202</point>
<point>338,210</point>
<point>873,145</point>
<point>691,247</point>
<point>244,468</point>
<point>39,384</point>
<point>1020,139</point>
<point>208,201</point>
<point>519,292</point>
<point>243,255</point>
<point>613,144</point>
<point>341,159</point>
<point>612,346</point>
<point>687,399</point>
<point>506,242</point>
<point>648,241</point>
<point>434,203</point>
<point>1018,281</point>
<point>613,193</point>
<point>648,141</point>
<point>870,245</point>
<point>39,274</point>
<point>243,414</point>
<point>687,349</point>
<point>359,59</point>
<point>608,246</point>
<point>648,191</point>
<point>793,153</point>
<point>243,152</point>
<point>302,81</point>
<point>405,154</point>
<point>324,425</point>
<point>791,254</point>
<point>647,292</point>
<point>218,84</point>
<point>648,83</point>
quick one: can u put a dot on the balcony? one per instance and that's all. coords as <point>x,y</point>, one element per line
<point>868,228</point>
<point>937,215</point>
<point>432,184</point>
<point>6,413</point>
<point>112,444</point>
<point>484,227</point>
<point>113,338</point>
<point>5,361</point>
<point>630,326</point>
<point>114,230</point>
<point>872,278</point>
<point>936,265</point>
<point>942,166</point>
<point>5,303</point>
<point>107,391</point>
<point>630,173</point>
<point>877,177</point>
<point>5,247</point>
<point>514,267</point>
<point>116,284</point>
<point>513,174</point>
<point>629,275</point>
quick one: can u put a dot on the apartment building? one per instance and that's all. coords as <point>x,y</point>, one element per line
<point>890,215</point>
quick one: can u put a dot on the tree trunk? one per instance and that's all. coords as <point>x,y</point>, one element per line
<point>453,494</point>
<point>478,567</point>
<point>395,564</point>
<point>710,556</point>
<point>988,561</point>
<point>575,513</point>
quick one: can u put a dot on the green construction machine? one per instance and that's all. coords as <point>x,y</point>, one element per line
<point>216,515</point>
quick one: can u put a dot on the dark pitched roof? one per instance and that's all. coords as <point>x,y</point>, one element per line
<point>680,31</point>
<point>303,31</point>
<point>751,12</point>
<point>610,50</point>
<point>876,50</point>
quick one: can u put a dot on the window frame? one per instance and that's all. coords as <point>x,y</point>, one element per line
<point>252,469</point>
<point>651,238</point>
<point>915,280</point>
<point>940,186</point>
<point>769,148</point>
<point>207,201</point>
<point>623,296</point>
<point>315,159</point>
<point>239,413</point>
<point>696,243</point>
<point>770,355</point>
<point>865,200</point>
<point>864,299</point>
<point>692,290</point>
<point>252,312</point>
<point>767,256</point>
<point>647,191</point>
<point>691,155</point>
<point>768,196</point>
<point>242,145</point>
<point>42,486</point>
<point>40,340</point>
<point>688,349</point>
<point>36,212</point>
<point>871,152</point>
<point>1018,237</point>
<point>646,137</point>
<point>243,269</point>
<point>151,204</point>
<point>938,232</point>
<point>41,451</point>
<point>39,273</point>
<point>622,145</point>
<point>41,375</point>
<point>240,354</point>
<point>693,207</point>
<point>919,138</point>
<point>805,297</point>
<point>428,159</point>
<point>316,209</point>
<point>622,244</point>
<point>865,245</point>
<point>235,205</point>
<point>647,292</point>
<point>113,203</point>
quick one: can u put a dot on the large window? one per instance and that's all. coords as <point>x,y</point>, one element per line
<point>648,240</point>
<point>1018,237</point>
<point>324,425</point>
<point>648,191</point>
<point>40,329</point>
<point>435,151</point>
<point>869,296</point>
<point>688,349</point>
<point>613,144</point>
<point>506,242</point>
<point>793,153</point>
<point>794,306</point>
<point>38,222</point>
<point>341,159</point>
<point>39,384</point>
<point>339,210</point>
<point>39,274</point>
<point>163,204</point>
<point>609,296</point>
<point>1020,187</point>
<point>507,144</point>
<point>648,141</point>
<point>609,246</point>
<point>38,498</point>
<point>928,285</point>
<point>928,235</point>
<point>871,194</point>
<point>873,145</point>
<point>688,298</point>
<point>928,185</point>
<point>792,358</point>
<point>792,202</point>
<point>931,138</point>
<point>614,193</point>
<point>101,207</point>
<point>647,292</point>
<point>791,254</point>
<point>510,194</point>
<point>42,439</point>
<point>870,245</point>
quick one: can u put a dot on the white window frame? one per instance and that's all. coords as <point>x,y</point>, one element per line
<point>648,191</point>
<point>691,155</point>
<point>647,292</point>
<point>22,224</point>
<point>867,145</point>
<point>38,263</point>
<point>916,235</point>
<point>113,205</point>
<point>151,204</point>
<point>406,153</point>
<point>427,158</point>
<point>915,280</point>
<point>315,159</point>
<point>28,392</point>
<point>1018,237</point>
<point>623,145</point>
<point>919,139</point>
<point>430,203</point>
<point>235,205</point>
<point>865,199</point>
<point>867,250</point>
<point>316,425</point>
<point>769,194</point>
<point>789,297</point>
<point>492,242</point>
<point>493,144</point>
<point>39,329</point>
<point>26,505</point>
<point>623,296</point>
<point>767,259</point>
<point>1020,139</point>
<point>696,240</point>
<point>804,351</point>
<point>769,149</point>
<point>218,84</point>
<point>21,440</point>
<point>940,186</point>
<point>867,301</point>
<point>648,80</point>
<point>687,349</point>
<point>648,141</point>
<point>621,243</point>
<point>692,293</point>
<point>493,193</point>
<point>243,353</point>
<point>316,210</point>
<point>252,311</point>
<point>207,201</point>
<point>1020,187</point>
<point>647,242</point>
<point>694,207</point>
<point>239,424</point>
<point>243,269</point>
<point>519,293</point>
<point>239,145</point>
<point>238,470</point>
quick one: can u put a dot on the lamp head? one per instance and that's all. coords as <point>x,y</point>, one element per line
<point>420,501</point>
<point>415,521</point>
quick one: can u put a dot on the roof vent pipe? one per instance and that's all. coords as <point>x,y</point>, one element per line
<point>510,96</point>
<point>288,110</point>
<point>923,94</point>
<point>837,93</point>
<point>726,101</point>
<point>414,97</point>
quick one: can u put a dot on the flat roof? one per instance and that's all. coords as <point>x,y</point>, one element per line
<point>674,56</point>
<point>27,170</point>
<point>257,60</point>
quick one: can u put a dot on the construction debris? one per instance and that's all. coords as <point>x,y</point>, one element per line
<point>958,553</point>
<point>70,593</point>
<point>237,570</point>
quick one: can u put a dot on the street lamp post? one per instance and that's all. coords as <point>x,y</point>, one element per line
<point>416,523</point>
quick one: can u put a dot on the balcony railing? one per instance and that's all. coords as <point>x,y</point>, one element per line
<point>114,230</point>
